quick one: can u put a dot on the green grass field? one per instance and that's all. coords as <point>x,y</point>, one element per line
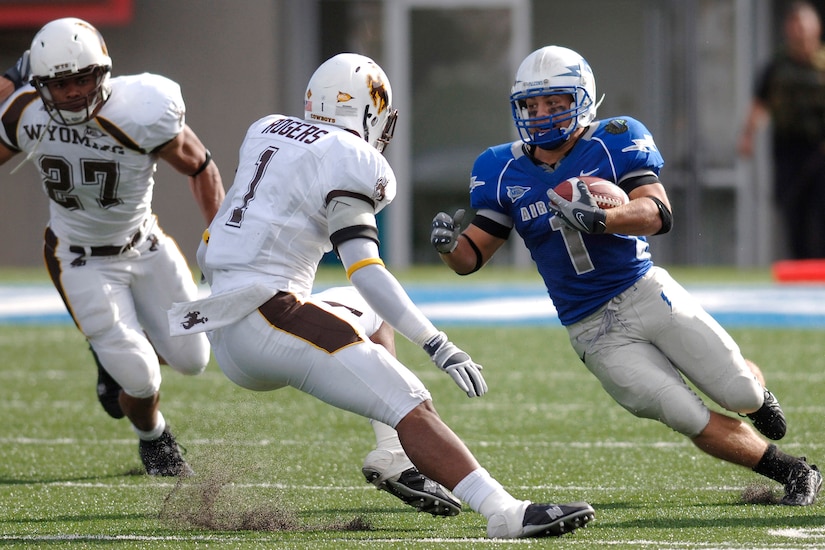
<point>281,470</point>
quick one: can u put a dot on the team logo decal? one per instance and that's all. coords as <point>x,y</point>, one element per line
<point>193,318</point>
<point>379,93</point>
<point>515,192</point>
<point>380,191</point>
<point>645,145</point>
<point>616,126</point>
<point>343,97</point>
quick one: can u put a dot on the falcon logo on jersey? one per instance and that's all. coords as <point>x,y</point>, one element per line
<point>193,318</point>
<point>380,191</point>
<point>515,192</point>
<point>645,145</point>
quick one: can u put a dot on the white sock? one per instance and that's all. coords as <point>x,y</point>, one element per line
<point>385,436</point>
<point>484,494</point>
<point>155,432</point>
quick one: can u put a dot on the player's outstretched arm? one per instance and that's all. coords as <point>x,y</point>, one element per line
<point>387,297</point>
<point>188,156</point>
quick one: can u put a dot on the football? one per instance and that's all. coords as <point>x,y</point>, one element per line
<point>607,194</point>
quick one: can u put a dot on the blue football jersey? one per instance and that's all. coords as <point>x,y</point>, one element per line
<point>581,271</point>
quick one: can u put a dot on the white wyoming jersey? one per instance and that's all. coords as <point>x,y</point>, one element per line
<point>98,175</point>
<point>272,227</point>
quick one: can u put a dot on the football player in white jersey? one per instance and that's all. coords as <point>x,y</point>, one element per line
<point>96,141</point>
<point>304,187</point>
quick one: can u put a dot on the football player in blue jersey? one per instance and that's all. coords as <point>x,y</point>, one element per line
<point>635,328</point>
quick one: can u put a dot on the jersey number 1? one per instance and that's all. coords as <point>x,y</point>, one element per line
<point>263,161</point>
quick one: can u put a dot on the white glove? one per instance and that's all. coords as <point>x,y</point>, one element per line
<point>445,231</point>
<point>449,358</point>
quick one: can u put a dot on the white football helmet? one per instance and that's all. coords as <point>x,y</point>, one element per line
<point>553,70</point>
<point>351,91</point>
<point>67,48</point>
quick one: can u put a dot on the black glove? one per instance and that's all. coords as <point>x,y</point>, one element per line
<point>582,215</point>
<point>19,72</point>
<point>446,230</point>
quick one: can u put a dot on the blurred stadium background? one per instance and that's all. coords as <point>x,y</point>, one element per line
<point>684,67</point>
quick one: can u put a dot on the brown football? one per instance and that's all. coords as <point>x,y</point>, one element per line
<point>607,194</point>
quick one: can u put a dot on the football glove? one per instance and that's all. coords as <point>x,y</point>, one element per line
<point>449,358</point>
<point>19,72</point>
<point>583,214</point>
<point>446,230</point>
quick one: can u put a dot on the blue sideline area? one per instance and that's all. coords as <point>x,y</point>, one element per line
<point>777,306</point>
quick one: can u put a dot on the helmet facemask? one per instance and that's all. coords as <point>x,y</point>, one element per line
<point>387,131</point>
<point>78,110</point>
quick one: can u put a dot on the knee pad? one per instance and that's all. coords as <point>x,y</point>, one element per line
<point>742,394</point>
<point>676,407</point>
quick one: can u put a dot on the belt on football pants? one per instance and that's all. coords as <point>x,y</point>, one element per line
<point>105,250</point>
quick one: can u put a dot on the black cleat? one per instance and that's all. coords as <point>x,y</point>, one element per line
<point>162,456</point>
<point>540,520</point>
<point>108,391</point>
<point>804,483</point>
<point>414,488</point>
<point>769,419</point>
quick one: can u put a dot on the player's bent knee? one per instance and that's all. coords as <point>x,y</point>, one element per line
<point>690,423</point>
<point>677,407</point>
<point>143,392</point>
<point>742,395</point>
<point>190,369</point>
<point>424,412</point>
<point>189,360</point>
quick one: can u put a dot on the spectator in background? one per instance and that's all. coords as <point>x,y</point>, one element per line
<point>791,92</point>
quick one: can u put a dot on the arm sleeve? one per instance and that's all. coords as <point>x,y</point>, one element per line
<point>383,292</point>
<point>350,215</point>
